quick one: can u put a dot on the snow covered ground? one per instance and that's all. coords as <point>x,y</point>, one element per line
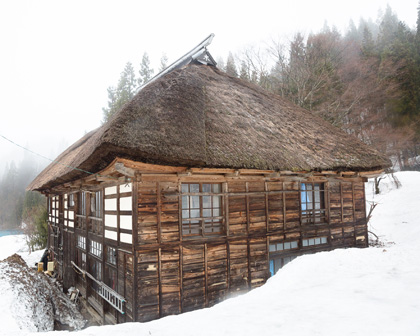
<point>373,291</point>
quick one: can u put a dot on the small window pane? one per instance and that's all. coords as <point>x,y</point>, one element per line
<point>279,246</point>
<point>206,201</point>
<point>216,212</point>
<point>287,246</point>
<point>206,212</point>
<point>184,188</point>
<point>195,213</point>
<point>272,248</point>
<point>311,242</point>
<point>206,187</point>
<point>216,201</point>
<point>294,244</point>
<point>195,202</point>
<point>317,241</point>
<point>304,242</point>
<point>185,202</point>
<point>194,188</point>
<point>216,188</point>
<point>185,214</point>
<point>323,240</point>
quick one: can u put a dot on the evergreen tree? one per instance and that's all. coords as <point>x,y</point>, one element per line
<point>120,95</point>
<point>221,64</point>
<point>368,45</point>
<point>145,72</point>
<point>163,62</point>
<point>244,71</point>
<point>231,67</point>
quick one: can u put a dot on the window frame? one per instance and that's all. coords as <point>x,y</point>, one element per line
<point>204,225</point>
<point>316,213</point>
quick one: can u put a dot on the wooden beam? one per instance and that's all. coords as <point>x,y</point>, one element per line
<point>126,171</point>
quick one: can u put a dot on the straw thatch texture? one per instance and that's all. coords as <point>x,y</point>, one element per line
<point>198,116</point>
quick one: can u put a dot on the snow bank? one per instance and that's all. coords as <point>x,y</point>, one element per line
<point>30,301</point>
<point>374,291</point>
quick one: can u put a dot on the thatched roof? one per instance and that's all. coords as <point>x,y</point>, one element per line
<point>198,116</point>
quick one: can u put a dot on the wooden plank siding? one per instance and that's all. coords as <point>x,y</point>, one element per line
<point>164,272</point>
<point>178,274</point>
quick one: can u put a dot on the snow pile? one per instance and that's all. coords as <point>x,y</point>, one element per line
<point>30,301</point>
<point>374,291</point>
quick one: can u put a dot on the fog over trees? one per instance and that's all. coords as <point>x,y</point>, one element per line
<point>365,80</point>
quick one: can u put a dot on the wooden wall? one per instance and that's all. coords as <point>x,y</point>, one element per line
<point>175,274</point>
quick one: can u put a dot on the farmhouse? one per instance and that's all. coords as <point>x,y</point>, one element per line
<point>199,188</point>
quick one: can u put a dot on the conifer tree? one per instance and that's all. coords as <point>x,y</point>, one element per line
<point>163,62</point>
<point>244,71</point>
<point>120,95</point>
<point>231,67</point>
<point>145,72</point>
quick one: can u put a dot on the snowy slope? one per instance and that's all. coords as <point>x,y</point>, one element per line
<point>374,291</point>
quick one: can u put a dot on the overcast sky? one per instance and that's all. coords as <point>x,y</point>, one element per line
<point>58,57</point>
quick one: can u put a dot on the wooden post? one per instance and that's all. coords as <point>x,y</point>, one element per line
<point>205,276</point>
<point>247,208</point>
<point>180,210</point>
<point>226,199</point>
<point>160,280</point>
<point>134,232</point>
<point>266,208</point>
<point>327,209</point>
<point>284,208</point>
<point>249,261</point>
<point>181,290</point>
<point>158,213</point>
<point>228,265</point>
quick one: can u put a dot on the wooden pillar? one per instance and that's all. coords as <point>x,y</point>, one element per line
<point>181,274</point>
<point>160,280</point>
<point>205,276</point>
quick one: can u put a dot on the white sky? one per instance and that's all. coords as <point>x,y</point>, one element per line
<point>57,58</point>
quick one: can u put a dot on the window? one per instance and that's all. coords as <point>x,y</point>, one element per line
<point>71,201</point>
<point>278,262</point>
<point>82,203</point>
<point>312,203</point>
<point>96,249</point>
<point>278,257</point>
<point>96,204</point>
<point>111,277</point>
<point>96,272</point>
<point>202,213</point>
<point>111,255</point>
<point>95,215</point>
<point>283,246</point>
<point>314,241</point>
<point>81,242</point>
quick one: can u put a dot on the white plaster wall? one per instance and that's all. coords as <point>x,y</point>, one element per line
<point>110,191</point>
<point>111,220</point>
<point>111,204</point>
<point>126,222</point>
<point>126,203</point>
<point>126,238</point>
<point>125,188</point>
<point>110,235</point>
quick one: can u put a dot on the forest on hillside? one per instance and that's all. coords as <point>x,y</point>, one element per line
<point>19,206</point>
<point>365,80</point>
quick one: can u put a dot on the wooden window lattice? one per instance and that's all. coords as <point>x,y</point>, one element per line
<point>202,209</point>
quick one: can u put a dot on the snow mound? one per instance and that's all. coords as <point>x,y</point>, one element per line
<point>33,300</point>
